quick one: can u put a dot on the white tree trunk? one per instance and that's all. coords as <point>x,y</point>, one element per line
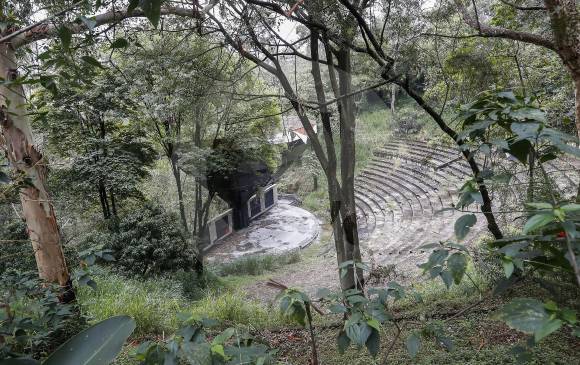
<point>17,142</point>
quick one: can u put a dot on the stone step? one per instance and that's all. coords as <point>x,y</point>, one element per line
<point>438,178</point>
<point>375,208</point>
<point>410,207</point>
<point>419,187</point>
<point>426,161</point>
<point>369,216</point>
<point>387,203</point>
<point>407,189</point>
<point>447,154</point>
<point>447,151</point>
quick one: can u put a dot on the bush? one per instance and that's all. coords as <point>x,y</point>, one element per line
<point>17,251</point>
<point>146,242</point>
<point>33,320</point>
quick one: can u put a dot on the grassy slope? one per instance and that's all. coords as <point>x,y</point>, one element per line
<point>477,337</point>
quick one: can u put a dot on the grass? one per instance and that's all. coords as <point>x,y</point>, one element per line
<point>154,304</point>
<point>374,129</point>
<point>257,265</point>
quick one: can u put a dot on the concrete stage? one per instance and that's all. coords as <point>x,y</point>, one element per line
<point>283,228</point>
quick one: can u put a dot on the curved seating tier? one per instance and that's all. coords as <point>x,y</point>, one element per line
<point>403,196</point>
<point>405,193</point>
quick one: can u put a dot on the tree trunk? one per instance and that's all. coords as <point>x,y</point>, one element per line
<point>577,102</point>
<point>104,200</point>
<point>347,165</point>
<point>565,24</point>
<point>177,177</point>
<point>335,192</point>
<point>113,203</point>
<point>17,141</point>
<point>393,100</point>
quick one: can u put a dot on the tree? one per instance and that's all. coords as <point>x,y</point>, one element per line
<point>16,138</point>
<point>563,19</point>
<point>262,38</point>
<point>91,124</point>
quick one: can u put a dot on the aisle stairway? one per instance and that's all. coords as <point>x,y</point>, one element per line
<point>401,197</point>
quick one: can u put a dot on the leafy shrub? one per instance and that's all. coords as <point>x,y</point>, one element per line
<point>34,321</point>
<point>195,287</point>
<point>146,242</point>
<point>17,251</point>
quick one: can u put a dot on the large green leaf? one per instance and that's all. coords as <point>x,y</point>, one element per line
<point>373,343</point>
<point>342,341</point>
<point>520,150</point>
<point>120,43</point>
<point>529,114</point>
<point>525,130</point>
<point>359,333</point>
<point>457,264</point>
<point>92,61</point>
<point>538,221</point>
<point>97,345</point>
<point>413,344</point>
<point>463,224</point>
<point>152,10</point>
<point>524,314</point>
<point>548,326</point>
<point>65,35</point>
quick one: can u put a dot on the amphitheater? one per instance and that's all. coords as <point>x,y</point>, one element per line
<point>405,193</point>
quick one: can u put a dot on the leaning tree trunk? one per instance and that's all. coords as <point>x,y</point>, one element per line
<point>17,141</point>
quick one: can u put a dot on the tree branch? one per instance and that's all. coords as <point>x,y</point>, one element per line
<point>488,31</point>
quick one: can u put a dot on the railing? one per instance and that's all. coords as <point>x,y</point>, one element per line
<point>220,227</point>
<point>262,201</point>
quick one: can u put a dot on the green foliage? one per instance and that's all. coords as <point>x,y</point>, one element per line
<point>463,224</point>
<point>17,251</point>
<point>146,242</point>
<point>32,319</point>
<point>257,265</point>
<point>293,305</point>
<point>93,124</point>
<point>192,345</point>
<point>153,302</point>
<point>447,261</point>
<point>96,345</point>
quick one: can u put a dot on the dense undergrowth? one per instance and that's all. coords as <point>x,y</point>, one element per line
<point>477,336</point>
